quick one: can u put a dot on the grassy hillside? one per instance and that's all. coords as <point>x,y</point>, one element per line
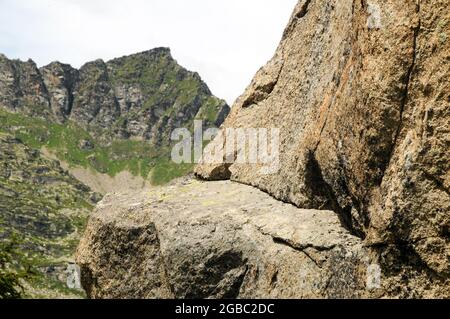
<point>68,142</point>
<point>43,211</point>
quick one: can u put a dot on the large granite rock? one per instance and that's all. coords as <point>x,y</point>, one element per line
<point>43,210</point>
<point>360,92</point>
<point>218,240</point>
<point>22,88</point>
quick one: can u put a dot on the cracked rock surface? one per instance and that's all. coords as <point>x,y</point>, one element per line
<point>360,93</point>
<point>186,241</point>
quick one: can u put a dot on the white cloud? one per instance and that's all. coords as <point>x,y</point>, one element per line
<point>225,41</point>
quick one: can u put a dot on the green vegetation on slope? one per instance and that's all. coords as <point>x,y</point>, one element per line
<point>66,140</point>
<point>46,210</point>
<point>11,272</point>
<point>165,171</point>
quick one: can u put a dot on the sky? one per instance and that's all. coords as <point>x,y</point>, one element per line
<point>225,41</point>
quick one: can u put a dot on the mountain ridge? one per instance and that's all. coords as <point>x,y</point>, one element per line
<point>111,116</point>
<point>99,93</point>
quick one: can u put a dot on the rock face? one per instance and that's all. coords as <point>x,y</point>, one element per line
<point>60,80</point>
<point>141,96</point>
<point>107,119</point>
<point>22,88</point>
<point>360,92</point>
<point>218,240</point>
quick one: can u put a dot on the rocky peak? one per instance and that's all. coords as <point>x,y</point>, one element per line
<point>156,95</point>
<point>149,54</point>
<point>94,104</point>
<point>60,80</point>
<point>145,95</point>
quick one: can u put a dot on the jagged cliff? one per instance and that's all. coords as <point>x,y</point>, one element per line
<point>145,95</point>
<point>360,92</point>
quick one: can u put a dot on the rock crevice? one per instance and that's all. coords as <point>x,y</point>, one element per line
<point>265,249</point>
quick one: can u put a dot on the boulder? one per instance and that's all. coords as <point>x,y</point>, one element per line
<point>218,240</point>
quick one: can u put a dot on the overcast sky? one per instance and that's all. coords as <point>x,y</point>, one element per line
<point>226,41</point>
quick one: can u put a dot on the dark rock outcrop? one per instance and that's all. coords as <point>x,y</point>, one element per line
<point>143,96</point>
<point>95,104</point>
<point>22,88</point>
<point>60,80</point>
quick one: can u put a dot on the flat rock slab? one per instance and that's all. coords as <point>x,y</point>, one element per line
<point>217,240</point>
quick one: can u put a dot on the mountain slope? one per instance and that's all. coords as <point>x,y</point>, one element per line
<point>107,117</point>
<point>359,91</point>
<point>46,208</point>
